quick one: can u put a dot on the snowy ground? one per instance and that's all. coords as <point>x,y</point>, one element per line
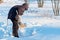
<point>37,28</point>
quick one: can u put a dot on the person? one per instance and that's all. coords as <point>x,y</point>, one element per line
<point>13,16</point>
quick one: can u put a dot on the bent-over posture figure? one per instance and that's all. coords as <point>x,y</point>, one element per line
<point>13,16</point>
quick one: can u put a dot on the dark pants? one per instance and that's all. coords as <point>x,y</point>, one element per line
<point>15,27</point>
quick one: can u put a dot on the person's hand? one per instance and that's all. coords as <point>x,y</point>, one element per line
<point>22,25</point>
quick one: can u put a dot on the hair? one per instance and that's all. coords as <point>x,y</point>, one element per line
<point>25,4</point>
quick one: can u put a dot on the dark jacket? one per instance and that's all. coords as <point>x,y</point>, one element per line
<point>12,13</point>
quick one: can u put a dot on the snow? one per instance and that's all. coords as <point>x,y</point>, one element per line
<point>37,28</point>
<point>39,25</point>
